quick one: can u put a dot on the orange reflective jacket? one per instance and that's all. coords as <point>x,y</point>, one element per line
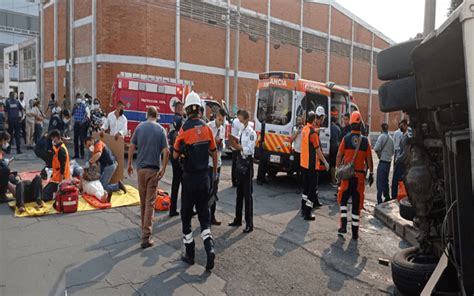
<point>56,176</point>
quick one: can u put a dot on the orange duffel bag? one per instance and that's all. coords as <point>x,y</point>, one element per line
<point>163,200</point>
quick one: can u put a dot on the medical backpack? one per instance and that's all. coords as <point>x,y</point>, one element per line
<point>67,197</point>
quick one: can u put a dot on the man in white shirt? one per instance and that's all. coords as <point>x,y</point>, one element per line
<point>116,123</point>
<point>218,131</point>
<point>234,139</point>
<point>398,167</point>
<point>296,143</point>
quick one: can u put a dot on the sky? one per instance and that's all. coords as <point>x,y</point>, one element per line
<point>400,20</point>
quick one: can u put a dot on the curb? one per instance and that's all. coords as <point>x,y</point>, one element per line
<point>389,214</point>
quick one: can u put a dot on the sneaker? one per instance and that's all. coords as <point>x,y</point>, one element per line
<point>147,244</point>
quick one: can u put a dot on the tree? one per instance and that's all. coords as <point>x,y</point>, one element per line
<point>454,5</point>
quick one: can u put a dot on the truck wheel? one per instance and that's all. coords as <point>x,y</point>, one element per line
<point>398,95</point>
<point>407,211</point>
<point>412,270</point>
<point>395,62</point>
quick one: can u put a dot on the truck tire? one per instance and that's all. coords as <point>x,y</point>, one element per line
<point>395,62</point>
<point>411,271</point>
<point>398,95</point>
<point>407,211</point>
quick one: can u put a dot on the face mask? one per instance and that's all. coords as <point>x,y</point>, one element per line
<point>78,101</point>
<point>5,146</point>
<point>91,148</point>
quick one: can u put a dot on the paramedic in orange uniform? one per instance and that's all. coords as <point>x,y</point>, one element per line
<point>311,156</point>
<point>354,187</point>
<point>195,143</point>
<point>61,168</point>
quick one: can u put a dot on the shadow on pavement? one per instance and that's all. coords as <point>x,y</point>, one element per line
<point>292,237</point>
<point>338,260</point>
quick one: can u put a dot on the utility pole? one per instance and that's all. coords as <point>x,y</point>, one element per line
<point>68,46</point>
<point>236,56</point>
<point>430,17</point>
<point>227,55</point>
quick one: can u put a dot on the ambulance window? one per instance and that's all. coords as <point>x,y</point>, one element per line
<point>338,105</point>
<point>274,106</point>
<point>312,100</point>
<point>141,86</point>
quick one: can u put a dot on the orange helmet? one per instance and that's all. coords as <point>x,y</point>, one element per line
<point>355,117</point>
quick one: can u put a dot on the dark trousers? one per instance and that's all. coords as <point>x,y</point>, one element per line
<point>398,172</point>
<point>4,176</point>
<point>80,131</point>
<point>177,180</point>
<point>214,188</point>
<point>49,190</point>
<point>383,169</point>
<point>28,191</point>
<point>195,193</point>
<point>23,129</point>
<point>38,132</point>
<point>310,185</point>
<point>297,169</point>
<point>353,193</point>
<point>235,155</point>
<point>244,194</point>
<point>262,166</point>
<point>14,129</point>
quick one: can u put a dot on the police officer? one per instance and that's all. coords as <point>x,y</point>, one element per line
<point>194,143</point>
<point>311,157</point>
<point>244,170</point>
<point>178,120</point>
<point>354,147</point>
<point>234,139</point>
<point>14,111</point>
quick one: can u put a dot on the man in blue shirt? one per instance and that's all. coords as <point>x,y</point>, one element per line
<point>79,114</point>
<point>13,110</point>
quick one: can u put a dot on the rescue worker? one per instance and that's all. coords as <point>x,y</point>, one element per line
<point>178,120</point>
<point>354,187</point>
<point>14,112</point>
<point>194,143</point>
<point>60,166</point>
<point>102,154</point>
<point>246,149</point>
<point>311,157</point>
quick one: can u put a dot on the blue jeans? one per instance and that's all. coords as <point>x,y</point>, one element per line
<point>107,173</point>
<point>38,132</point>
<point>383,169</point>
<point>398,173</point>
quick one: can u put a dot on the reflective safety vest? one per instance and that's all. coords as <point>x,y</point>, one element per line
<point>309,144</point>
<point>56,176</point>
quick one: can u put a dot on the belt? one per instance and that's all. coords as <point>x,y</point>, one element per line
<point>360,171</point>
<point>151,167</point>
<point>384,161</point>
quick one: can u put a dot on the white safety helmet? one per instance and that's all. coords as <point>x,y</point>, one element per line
<point>320,111</point>
<point>192,99</point>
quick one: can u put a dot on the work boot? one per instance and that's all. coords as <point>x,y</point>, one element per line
<point>188,255</point>
<point>317,204</point>
<point>308,216</point>
<point>355,232</point>
<point>122,187</point>
<point>211,255</point>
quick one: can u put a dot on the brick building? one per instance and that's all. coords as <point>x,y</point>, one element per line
<point>319,39</point>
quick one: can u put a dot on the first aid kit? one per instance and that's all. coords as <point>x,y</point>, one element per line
<point>163,201</point>
<point>67,197</point>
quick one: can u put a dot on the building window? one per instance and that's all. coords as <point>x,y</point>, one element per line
<point>28,63</point>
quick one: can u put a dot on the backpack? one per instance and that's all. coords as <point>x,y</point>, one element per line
<point>163,201</point>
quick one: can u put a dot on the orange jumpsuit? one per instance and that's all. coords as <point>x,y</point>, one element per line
<point>353,188</point>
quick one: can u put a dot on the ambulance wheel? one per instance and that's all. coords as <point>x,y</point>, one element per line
<point>407,211</point>
<point>411,270</point>
<point>395,61</point>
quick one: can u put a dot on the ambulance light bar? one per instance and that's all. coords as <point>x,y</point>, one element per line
<point>279,75</point>
<point>155,78</point>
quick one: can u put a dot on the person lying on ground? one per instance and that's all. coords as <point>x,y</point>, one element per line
<point>26,191</point>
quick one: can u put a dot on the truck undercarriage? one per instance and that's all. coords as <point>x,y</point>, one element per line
<point>432,80</point>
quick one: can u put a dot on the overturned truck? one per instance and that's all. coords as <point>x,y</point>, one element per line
<point>432,80</point>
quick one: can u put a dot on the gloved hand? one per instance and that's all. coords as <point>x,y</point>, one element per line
<point>326,164</point>
<point>371,179</point>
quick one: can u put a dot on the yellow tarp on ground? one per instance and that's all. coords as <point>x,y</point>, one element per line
<point>119,199</point>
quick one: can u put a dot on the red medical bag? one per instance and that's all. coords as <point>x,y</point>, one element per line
<point>67,197</point>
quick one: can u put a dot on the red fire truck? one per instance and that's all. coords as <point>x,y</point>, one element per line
<point>139,91</point>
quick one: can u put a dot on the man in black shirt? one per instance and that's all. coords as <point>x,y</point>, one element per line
<point>178,120</point>
<point>347,127</point>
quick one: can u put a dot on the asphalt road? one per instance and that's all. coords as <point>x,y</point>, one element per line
<point>97,253</point>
